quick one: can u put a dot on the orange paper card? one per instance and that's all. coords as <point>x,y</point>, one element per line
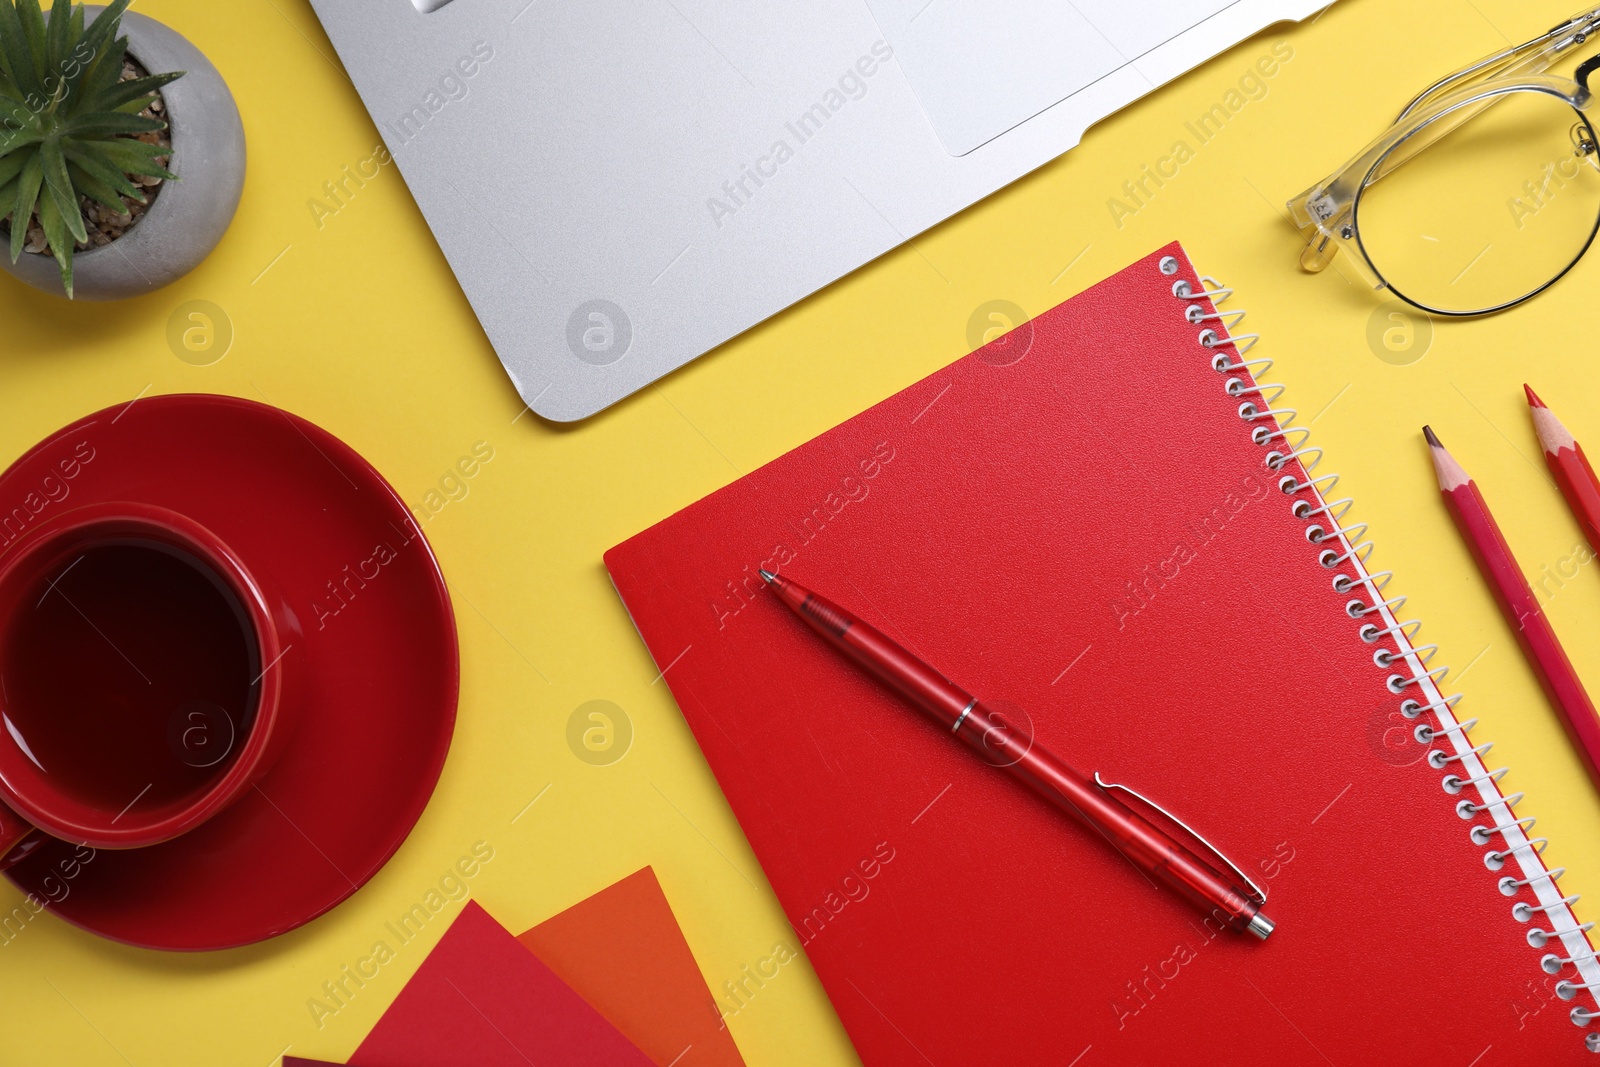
<point>623,952</point>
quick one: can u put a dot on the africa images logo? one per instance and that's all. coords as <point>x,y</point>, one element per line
<point>599,332</point>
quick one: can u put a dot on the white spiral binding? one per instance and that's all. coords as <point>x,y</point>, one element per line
<point>1341,546</point>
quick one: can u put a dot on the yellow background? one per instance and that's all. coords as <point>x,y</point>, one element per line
<point>359,326</point>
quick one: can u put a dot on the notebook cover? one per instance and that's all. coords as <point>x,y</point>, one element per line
<point>623,952</point>
<point>483,999</point>
<point>1075,524</point>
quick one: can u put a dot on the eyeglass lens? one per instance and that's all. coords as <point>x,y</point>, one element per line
<point>1489,212</point>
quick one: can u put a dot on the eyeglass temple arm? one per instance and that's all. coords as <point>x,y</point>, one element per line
<point>1586,68</point>
<point>1545,47</point>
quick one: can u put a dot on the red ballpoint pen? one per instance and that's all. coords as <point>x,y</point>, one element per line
<point>1147,847</point>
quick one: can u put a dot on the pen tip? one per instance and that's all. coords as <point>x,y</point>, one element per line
<point>1433,438</point>
<point>767,576</point>
<point>1533,397</point>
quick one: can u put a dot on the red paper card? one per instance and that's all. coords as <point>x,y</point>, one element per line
<point>1076,524</point>
<point>483,999</point>
<point>622,950</point>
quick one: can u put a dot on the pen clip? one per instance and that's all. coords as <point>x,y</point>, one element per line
<point>1259,895</point>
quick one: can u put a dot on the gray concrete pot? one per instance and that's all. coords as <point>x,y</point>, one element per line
<point>187,217</point>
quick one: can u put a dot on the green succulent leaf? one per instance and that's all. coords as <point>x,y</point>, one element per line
<point>16,59</point>
<point>6,86</point>
<point>55,231</point>
<point>94,164</point>
<point>135,91</point>
<point>28,183</point>
<point>10,167</point>
<point>99,72</point>
<point>33,29</point>
<point>56,33</point>
<point>20,139</point>
<point>100,33</point>
<point>95,189</point>
<point>106,123</point>
<point>15,115</point>
<point>133,157</point>
<point>59,184</point>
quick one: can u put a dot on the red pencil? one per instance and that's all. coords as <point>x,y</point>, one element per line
<point>1569,466</point>
<point>1522,611</point>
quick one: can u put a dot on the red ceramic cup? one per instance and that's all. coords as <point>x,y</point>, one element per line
<point>147,678</point>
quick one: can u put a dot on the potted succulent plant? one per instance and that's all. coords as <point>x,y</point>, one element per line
<point>121,157</point>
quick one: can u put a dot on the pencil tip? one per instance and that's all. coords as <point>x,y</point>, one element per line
<point>1533,397</point>
<point>1553,437</point>
<point>1451,475</point>
<point>767,576</point>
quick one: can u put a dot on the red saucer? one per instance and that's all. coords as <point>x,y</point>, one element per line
<point>293,499</point>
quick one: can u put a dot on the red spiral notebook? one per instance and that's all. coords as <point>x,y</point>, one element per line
<point>1080,524</point>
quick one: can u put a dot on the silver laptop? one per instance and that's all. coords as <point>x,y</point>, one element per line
<point>622,185</point>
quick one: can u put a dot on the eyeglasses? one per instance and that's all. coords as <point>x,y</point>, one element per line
<point>1481,195</point>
